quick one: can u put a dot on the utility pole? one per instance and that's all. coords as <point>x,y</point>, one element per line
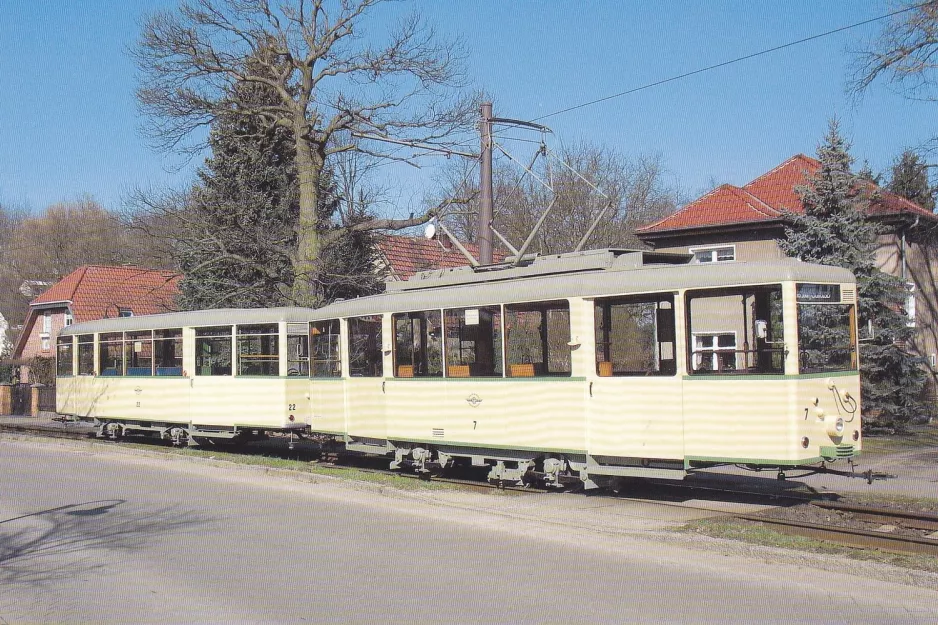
<point>485,186</point>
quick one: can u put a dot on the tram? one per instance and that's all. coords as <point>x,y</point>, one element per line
<point>591,366</point>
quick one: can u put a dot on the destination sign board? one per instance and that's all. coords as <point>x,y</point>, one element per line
<point>819,293</point>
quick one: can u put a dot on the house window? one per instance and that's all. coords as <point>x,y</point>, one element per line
<point>715,352</point>
<point>722,254</point>
<point>910,304</point>
<point>68,318</point>
<point>45,343</point>
<point>46,323</point>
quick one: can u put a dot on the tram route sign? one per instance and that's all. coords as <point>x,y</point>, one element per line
<point>818,293</point>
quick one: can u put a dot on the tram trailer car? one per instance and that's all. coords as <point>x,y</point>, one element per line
<point>593,366</point>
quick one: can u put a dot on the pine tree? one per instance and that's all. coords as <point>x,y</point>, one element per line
<point>237,234</point>
<point>910,180</point>
<point>834,231</point>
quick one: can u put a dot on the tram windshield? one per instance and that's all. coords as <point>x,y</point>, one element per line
<point>736,331</point>
<point>826,330</point>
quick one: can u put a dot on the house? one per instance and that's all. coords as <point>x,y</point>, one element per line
<point>91,292</point>
<point>733,223</point>
<point>400,257</point>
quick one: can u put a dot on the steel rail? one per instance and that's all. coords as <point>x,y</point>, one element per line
<point>850,537</point>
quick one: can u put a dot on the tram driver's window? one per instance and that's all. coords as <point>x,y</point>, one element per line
<point>736,331</point>
<point>635,336</point>
<point>327,359</point>
<point>365,354</point>
<point>418,344</point>
<point>473,342</point>
<point>63,355</point>
<point>537,339</point>
<point>827,336</point>
<point>213,351</point>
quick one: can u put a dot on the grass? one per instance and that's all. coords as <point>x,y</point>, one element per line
<point>757,534</point>
<point>301,466</point>
<point>925,436</point>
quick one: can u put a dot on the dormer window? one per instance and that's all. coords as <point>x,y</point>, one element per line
<point>125,312</point>
<point>720,254</point>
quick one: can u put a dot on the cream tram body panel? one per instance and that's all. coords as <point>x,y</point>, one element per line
<point>134,398</point>
<point>535,413</point>
<point>242,401</point>
<point>326,401</point>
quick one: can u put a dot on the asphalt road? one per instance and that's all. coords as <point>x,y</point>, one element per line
<point>97,536</point>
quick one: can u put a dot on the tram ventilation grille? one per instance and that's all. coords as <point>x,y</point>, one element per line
<point>297,328</point>
<point>437,432</point>
<point>848,296</point>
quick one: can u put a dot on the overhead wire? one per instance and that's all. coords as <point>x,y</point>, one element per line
<point>731,61</point>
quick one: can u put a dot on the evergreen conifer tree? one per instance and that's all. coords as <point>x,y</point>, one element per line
<point>238,232</point>
<point>910,180</point>
<point>834,231</point>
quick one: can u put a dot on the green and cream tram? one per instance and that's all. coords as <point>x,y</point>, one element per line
<point>591,366</point>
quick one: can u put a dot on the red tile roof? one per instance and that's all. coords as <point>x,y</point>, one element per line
<point>97,291</point>
<point>766,198</point>
<point>405,256</point>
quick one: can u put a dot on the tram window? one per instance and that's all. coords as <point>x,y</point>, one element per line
<point>213,351</point>
<point>258,350</point>
<point>418,346</point>
<point>86,354</point>
<point>635,336</point>
<point>826,335</point>
<point>63,354</point>
<point>538,339</point>
<point>473,342</point>
<point>365,355</point>
<point>736,331</point>
<point>111,353</point>
<point>298,349</point>
<point>327,359</point>
<point>167,352</point>
<point>138,353</point>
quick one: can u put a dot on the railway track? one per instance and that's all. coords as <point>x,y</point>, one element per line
<point>897,531</point>
<point>888,530</point>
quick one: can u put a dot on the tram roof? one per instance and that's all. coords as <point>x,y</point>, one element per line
<point>617,279</point>
<point>196,318</point>
<point>596,273</point>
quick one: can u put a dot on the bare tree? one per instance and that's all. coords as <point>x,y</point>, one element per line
<point>333,79</point>
<point>633,192</point>
<point>905,53</point>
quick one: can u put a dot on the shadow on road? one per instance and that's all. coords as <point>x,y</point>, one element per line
<point>60,543</point>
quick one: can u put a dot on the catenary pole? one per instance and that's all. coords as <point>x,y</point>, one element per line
<point>485,186</point>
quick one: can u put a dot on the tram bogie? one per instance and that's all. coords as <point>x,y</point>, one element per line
<point>595,367</point>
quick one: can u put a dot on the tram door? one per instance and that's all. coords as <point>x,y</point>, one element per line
<point>326,397</point>
<point>635,408</point>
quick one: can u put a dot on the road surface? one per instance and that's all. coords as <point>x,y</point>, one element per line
<point>98,536</point>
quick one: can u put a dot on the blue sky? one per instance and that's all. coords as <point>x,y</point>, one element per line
<point>69,124</point>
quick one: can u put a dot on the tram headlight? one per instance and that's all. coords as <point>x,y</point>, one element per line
<point>835,427</point>
<point>856,435</point>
